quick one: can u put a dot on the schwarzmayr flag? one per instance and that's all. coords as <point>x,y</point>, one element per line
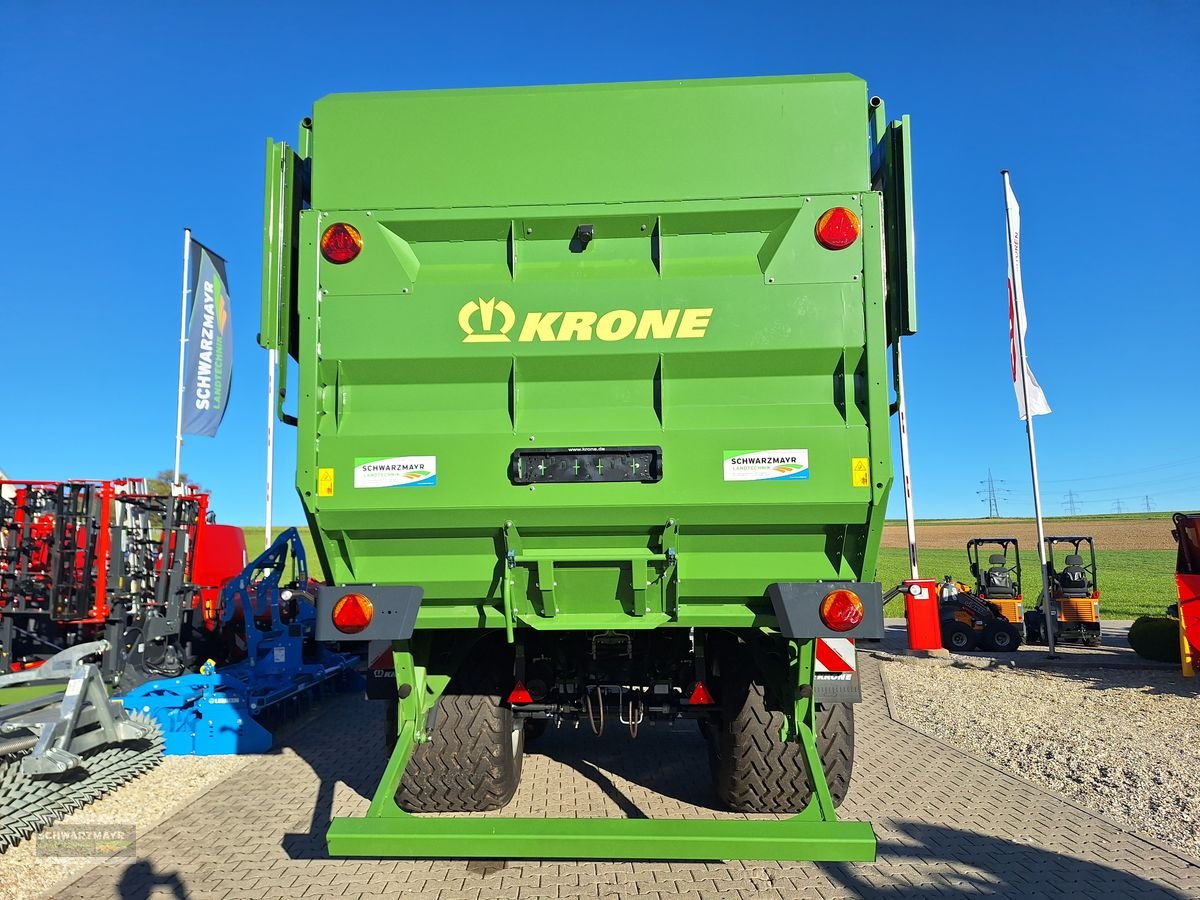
<point>1017,321</point>
<point>208,364</point>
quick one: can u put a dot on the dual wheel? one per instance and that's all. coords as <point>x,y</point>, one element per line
<point>472,763</point>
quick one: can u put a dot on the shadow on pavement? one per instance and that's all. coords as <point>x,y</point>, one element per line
<point>986,866</point>
<point>357,759</point>
<point>670,762</point>
<point>673,764</point>
<point>140,881</point>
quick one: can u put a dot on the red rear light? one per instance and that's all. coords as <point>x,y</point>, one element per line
<point>841,610</point>
<point>520,694</point>
<point>341,243</point>
<point>700,695</point>
<point>837,228</point>
<point>353,613</point>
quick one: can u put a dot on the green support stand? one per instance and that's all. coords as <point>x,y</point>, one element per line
<point>387,831</point>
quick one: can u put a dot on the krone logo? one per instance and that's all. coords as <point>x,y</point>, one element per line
<point>496,319</point>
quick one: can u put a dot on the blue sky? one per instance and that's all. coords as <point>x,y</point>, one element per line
<point>126,121</point>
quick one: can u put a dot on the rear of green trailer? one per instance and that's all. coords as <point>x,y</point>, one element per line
<point>574,362</point>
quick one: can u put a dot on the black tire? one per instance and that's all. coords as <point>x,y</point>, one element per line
<point>958,636</point>
<point>472,760</point>
<point>756,772</point>
<point>835,741</point>
<point>535,728</point>
<point>1000,637</point>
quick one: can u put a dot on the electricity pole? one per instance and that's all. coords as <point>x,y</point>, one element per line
<point>991,495</point>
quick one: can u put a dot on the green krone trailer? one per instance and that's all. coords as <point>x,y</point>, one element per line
<point>592,393</point>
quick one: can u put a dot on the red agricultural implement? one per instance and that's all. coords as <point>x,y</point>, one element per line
<point>110,598</point>
<point>108,560</point>
<point>1187,579</point>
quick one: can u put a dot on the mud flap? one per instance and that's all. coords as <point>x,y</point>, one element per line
<point>840,687</point>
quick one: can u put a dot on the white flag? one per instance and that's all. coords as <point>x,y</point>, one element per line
<point>1017,320</point>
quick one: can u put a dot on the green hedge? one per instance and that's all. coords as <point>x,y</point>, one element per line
<point>1155,637</point>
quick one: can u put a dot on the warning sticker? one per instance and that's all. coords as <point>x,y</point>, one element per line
<point>324,482</point>
<point>395,471</point>
<point>860,472</point>
<point>766,465</point>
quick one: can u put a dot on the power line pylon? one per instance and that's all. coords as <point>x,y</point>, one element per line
<point>1071,504</point>
<point>991,494</point>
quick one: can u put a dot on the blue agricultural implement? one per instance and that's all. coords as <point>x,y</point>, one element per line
<point>110,596</point>
<point>268,621</point>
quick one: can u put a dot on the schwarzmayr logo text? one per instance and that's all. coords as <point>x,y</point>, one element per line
<point>212,352</point>
<point>490,321</point>
<point>763,460</point>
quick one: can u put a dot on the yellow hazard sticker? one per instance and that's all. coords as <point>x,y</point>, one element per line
<point>324,482</point>
<point>860,472</point>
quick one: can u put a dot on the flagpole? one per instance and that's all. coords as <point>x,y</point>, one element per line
<point>1019,324</point>
<point>902,412</point>
<point>187,254</point>
<point>272,358</point>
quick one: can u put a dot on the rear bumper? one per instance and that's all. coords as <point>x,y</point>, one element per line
<point>419,837</point>
<point>796,606</point>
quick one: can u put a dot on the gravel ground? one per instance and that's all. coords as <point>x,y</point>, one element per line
<point>1122,742</point>
<point>142,803</point>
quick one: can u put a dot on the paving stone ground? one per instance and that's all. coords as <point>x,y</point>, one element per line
<point>948,825</point>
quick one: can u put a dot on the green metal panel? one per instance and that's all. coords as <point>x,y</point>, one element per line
<point>284,192</point>
<point>609,143</point>
<point>272,295</point>
<point>580,267</point>
<point>703,318</point>
<point>895,178</point>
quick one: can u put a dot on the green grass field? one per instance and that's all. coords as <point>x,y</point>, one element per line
<point>1132,582</point>
<point>254,546</point>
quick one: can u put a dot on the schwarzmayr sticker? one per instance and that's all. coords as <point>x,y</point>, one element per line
<point>395,471</point>
<point>766,465</point>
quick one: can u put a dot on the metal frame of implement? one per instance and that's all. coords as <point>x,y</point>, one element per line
<point>813,834</point>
